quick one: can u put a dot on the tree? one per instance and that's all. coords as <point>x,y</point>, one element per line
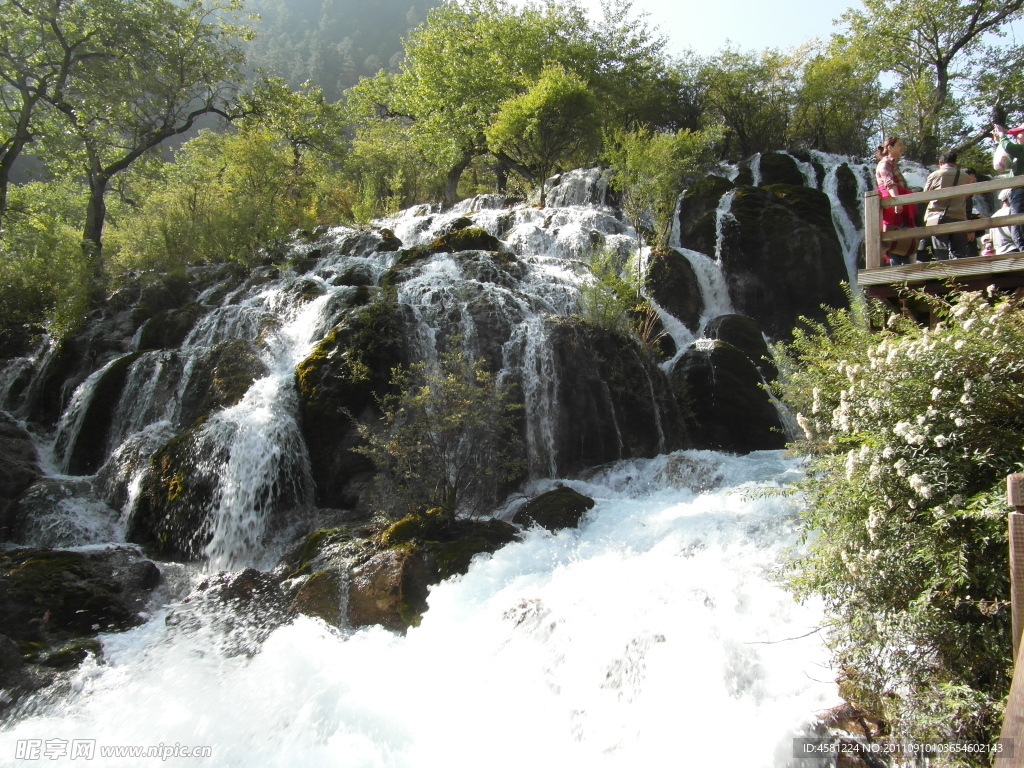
<point>752,95</point>
<point>171,63</point>
<point>838,102</point>
<point>551,124</point>
<point>650,169</point>
<point>468,58</point>
<point>447,439</point>
<point>932,47</point>
<point>42,45</point>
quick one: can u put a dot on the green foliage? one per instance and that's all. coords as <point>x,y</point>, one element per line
<point>752,95</point>
<point>447,439</point>
<point>650,169</point>
<point>226,196</point>
<point>910,434</point>
<point>612,299</point>
<point>837,103</point>
<point>42,271</point>
<point>939,52</point>
<point>553,124</point>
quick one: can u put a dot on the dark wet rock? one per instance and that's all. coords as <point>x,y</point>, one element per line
<point>59,512</point>
<point>560,508</point>
<point>18,678</point>
<point>168,328</point>
<point>672,283</point>
<point>171,513</point>
<point>613,401</point>
<point>48,596</point>
<point>321,596</point>
<point>779,168</point>
<point>221,378</point>
<point>358,275</point>
<point>727,409</point>
<point>423,548</point>
<point>336,386</point>
<point>742,333</point>
<point>19,468</point>
<point>780,256</point>
<point>462,222</point>
<point>239,609</point>
<point>849,193</point>
<point>467,239</point>
<point>89,448</point>
<point>389,589</point>
<point>361,244</point>
<point>388,241</point>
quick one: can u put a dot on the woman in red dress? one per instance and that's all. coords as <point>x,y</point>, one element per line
<point>890,183</point>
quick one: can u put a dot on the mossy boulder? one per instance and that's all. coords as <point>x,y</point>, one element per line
<point>742,333</point>
<point>613,400</point>
<point>48,597</point>
<point>161,292</point>
<point>424,548</point>
<point>221,378</point>
<point>321,596</point>
<point>780,168</point>
<point>554,510</point>
<point>697,208</point>
<point>672,282</point>
<point>88,449</point>
<point>849,194</point>
<point>336,386</point>
<point>466,239</point>
<point>175,497</point>
<point>727,407</point>
<point>168,328</point>
<point>780,253</point>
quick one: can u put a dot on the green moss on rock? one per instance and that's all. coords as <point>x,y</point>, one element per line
<point>467,239</point>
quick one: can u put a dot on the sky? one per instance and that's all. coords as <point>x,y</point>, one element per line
<point>706,25</point>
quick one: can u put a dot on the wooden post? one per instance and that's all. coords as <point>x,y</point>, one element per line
<point>1015,498</point>
<point>872,230</point>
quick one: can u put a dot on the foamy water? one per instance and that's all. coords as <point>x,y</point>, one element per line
<point>654,632</point>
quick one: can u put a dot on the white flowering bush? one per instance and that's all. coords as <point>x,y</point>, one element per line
<point>910,433</point>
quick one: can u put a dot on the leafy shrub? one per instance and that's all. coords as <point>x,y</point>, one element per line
<point>910,434</point>
<point>447,439</point>
<point>43,274</point>
<point>224,198</point>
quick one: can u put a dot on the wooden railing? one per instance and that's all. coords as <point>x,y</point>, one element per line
<point>874,203</point>
<point>1013,717</point>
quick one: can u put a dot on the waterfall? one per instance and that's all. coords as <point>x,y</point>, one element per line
<point>653,630</point>
<point>723,216</point>
<point>850,235</point>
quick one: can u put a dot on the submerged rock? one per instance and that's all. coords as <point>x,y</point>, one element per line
<point>560,508</point>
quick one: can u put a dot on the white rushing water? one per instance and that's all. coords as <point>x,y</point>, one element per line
<point>653,634</point>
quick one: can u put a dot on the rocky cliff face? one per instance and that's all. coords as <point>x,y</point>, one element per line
<point>204,415</point>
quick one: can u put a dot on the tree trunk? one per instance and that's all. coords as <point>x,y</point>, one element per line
<point>451,181</point>
<point>92,236</point>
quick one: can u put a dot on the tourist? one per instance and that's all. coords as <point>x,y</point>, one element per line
<point>948,210</point>
<point>890,183</point>
<point>1002,237</point>
<point>1009,140</point>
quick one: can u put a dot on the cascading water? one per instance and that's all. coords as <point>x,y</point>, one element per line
<point>652,633</point>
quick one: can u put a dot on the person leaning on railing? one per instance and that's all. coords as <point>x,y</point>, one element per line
<point>1009,141</point>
